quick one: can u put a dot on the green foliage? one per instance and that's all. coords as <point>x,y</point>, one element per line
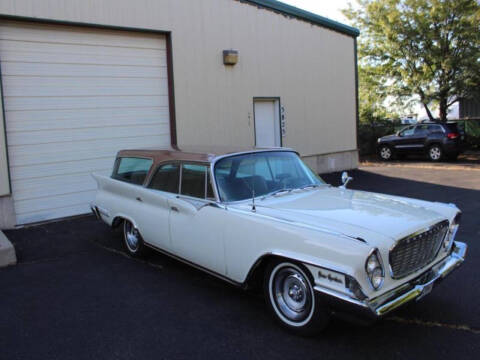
<point>427,48</point>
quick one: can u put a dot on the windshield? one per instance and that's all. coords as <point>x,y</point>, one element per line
<point>262,173</point>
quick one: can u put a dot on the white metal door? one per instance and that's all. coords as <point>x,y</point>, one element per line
<point>73,97</point>
<point>267,123</point>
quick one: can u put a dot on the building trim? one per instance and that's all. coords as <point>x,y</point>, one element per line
<point>2,104</point>
<point>171,92</point>
<point>300,14</point>
<point>357,110</point>
<point>168,39</point>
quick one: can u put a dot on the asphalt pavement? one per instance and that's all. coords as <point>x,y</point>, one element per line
<point>76,295</point>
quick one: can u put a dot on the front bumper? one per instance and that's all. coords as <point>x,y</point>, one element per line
<point>414,289</point>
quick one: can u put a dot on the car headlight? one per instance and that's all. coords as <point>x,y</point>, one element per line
<point>452,231</point>
<point>374,269</point>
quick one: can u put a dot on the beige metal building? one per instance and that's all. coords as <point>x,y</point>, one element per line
<point>82,79</point>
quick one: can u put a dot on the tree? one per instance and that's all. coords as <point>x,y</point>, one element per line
<point>427,48</point>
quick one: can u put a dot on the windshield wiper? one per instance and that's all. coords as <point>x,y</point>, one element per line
<point>278,191</point>
<point>309,186</point>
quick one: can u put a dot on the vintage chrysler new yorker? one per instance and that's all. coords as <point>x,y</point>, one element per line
<point>261,216</point>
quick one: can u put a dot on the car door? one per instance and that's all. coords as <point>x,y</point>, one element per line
<point>196,220</point>
<point>154,210</point>
<point>405,140</point>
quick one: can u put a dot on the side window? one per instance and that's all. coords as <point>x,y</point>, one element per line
<point>421,129</point>
<point>434,128</point>
<point>132,170</point>
<point>408,131</point>
<point>194,180</point>
<point>166,178</point>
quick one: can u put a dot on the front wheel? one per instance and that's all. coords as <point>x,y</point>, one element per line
<point>385,153</point>
<point>291,299</point>
<point>435,153</point>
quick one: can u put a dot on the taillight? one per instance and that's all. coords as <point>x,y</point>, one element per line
<point>452,135</point>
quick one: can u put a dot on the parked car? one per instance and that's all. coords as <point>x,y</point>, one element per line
<point>262,216</point>
<point>434,140</point>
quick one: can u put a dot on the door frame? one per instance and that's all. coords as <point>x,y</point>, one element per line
<point>268,98</point>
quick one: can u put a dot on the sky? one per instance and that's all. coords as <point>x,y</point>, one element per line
<point>332,10</point>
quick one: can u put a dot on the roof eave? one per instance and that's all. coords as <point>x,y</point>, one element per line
<point>305,15</point>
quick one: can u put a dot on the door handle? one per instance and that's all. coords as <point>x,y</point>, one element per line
<point>139,199</point>
<point>174,208</point>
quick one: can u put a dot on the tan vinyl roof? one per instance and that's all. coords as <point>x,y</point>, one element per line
<point>191,153</point>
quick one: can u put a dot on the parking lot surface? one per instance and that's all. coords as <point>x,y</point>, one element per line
<point>76,295</point>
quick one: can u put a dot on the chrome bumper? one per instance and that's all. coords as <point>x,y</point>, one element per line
<point>422,285</point>
<point>414,289</point>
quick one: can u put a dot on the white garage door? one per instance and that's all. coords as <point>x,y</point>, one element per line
<point>73,97</point>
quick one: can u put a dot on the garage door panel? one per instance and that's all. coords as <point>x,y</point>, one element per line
<point>80,70</point>
<point>21,31</point>
<point>73,98</point>
<point>24,174</point>
<point>82,103</point>
<point>73,59</point>
<point>61,86</point>
<point>47,203</point>
<point>62,49</point>
<point>45,154</point>
<point>42,215</point>
<point>72,119</point>
<point>73,135</point>
<point>39,188</point>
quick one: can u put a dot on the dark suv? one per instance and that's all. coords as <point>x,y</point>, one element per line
<point>435,140</point>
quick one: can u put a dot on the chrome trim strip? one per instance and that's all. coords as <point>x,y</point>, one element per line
<point>199,267</point>
<point>339,295</point>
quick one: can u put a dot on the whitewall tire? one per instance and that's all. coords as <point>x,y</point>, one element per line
<point>291,299</point>
<point>132,239</point>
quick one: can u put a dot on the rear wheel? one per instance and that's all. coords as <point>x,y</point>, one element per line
<point>132,239</point>
<point>435,152</point>
<point>385,153</point>
<point>291,299</point>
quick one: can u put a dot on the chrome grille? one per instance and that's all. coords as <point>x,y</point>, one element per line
<point>417,250</point>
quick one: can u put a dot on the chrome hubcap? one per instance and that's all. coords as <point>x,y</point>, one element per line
<point>131,236</point>
<point>435,153</point>
<point>292,295</point>
<point>385,153</point>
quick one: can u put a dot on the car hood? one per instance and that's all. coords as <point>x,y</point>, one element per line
<point>376,218</point>
<point>388,137</point>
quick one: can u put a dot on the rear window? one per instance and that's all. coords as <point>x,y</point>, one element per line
<point>132,170</point>
<point>451,127</point>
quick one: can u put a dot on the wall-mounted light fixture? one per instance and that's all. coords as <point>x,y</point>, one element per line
<point>230,57</point>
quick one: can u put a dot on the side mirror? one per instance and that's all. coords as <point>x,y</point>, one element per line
<point>345,180</point>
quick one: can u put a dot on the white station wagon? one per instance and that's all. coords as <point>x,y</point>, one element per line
<point>261,216</point>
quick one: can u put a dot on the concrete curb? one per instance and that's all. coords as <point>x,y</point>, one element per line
<point>7,252</point>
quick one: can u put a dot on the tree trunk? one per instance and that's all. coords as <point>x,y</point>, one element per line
<point>430,116</point>
<point>443,110</point>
